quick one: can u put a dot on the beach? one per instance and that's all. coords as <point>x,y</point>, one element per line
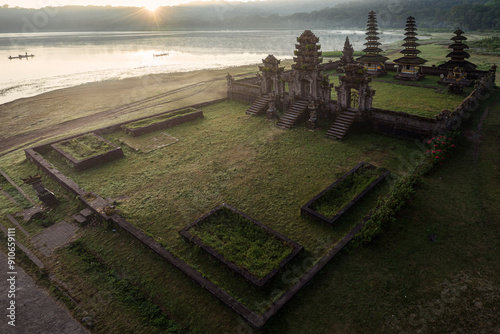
<point>60,113</point>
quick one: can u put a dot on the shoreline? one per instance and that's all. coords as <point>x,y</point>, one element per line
<point>60,112</point>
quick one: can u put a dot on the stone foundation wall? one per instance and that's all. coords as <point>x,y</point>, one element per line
<point>164,124</point>
<point>244,92</point>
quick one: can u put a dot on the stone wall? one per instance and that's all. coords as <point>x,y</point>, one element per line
<point>164,124</point>
<point>404,125</point>
<point>434,70</point>
<point>243,91</point>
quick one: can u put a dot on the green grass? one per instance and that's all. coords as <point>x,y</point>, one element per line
<point>401,277</point>
<point>242,242</point>
<point>429,80</point>
<point>85,146</point>
<point>228,157</point>
<point>158,119</point>
<point>425,102</point>
<point>129,295</point>
<point>488,44</point>
<point>332,201</point>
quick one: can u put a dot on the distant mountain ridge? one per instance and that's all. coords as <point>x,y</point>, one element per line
<point>279,14</point>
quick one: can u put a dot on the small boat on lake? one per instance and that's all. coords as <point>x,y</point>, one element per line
<point>161,54</point>
<point>26,55</point>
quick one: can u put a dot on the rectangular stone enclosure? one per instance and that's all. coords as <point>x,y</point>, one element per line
<point>87,151</point>
<point>343,185</point>
<point>161,122</point>
<point>292,247</point>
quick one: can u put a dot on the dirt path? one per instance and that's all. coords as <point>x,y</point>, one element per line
<point>36,311</point>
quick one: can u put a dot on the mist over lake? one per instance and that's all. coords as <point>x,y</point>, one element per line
<point>66,59</point>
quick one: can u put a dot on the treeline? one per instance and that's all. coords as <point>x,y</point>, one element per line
<point>442,14</point>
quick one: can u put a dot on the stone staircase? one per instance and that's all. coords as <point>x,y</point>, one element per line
<point>341,125</point>
<point>292,114</point>
<point>259,106</point>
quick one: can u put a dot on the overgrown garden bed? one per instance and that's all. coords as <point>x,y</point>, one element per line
<point>338,198</point>
<point>248,247</point>
<point>87,151</point>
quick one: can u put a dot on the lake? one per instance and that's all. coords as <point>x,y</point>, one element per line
<point>66,59</point>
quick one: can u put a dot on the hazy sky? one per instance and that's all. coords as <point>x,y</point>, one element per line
<point>138,3</point>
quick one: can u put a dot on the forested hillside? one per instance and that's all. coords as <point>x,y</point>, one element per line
<point>446,14</point>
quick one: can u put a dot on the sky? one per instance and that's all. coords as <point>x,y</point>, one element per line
<point>138,3</point>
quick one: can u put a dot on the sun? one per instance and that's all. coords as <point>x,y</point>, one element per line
<point>151,8</point>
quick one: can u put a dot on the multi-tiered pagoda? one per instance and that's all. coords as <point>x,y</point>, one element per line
<point>409,65</point>
<point>372,61</point>
<point>458,55</point>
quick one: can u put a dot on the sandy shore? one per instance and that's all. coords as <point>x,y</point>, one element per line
<point>56,114</point>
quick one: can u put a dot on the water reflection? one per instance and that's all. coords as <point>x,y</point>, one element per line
<point>68,59</point>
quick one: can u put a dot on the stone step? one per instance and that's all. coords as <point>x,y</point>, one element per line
<point>258,106</point>
<point>79,218</point>
<point>341,126</point>
<point>86,212</point>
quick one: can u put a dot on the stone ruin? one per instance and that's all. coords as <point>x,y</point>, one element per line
<point>46,196</point>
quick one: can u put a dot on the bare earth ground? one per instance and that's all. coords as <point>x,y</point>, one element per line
<point>27,121</point>
<point>36,311</point>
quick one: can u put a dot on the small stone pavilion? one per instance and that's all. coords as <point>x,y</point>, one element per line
<point>271,76</point>
<point>408,66</point>
<point>372,60</point>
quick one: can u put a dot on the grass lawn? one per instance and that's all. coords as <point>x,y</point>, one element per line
<point>449,283</point>
<point>425,102</point>
<point>245,162</point>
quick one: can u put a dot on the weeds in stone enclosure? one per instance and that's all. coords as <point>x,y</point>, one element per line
<point>332,201</point>
<point>84,146</point>
<point>242,242</point>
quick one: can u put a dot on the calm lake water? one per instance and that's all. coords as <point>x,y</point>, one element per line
<point>68,59</point>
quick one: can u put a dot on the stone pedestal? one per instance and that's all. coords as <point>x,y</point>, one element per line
<point>46,196</point>
<point>312,122</point>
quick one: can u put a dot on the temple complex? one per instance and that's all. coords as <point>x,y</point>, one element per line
<point>304,93</point>
<point>372,60</point>
<point>408,66</point>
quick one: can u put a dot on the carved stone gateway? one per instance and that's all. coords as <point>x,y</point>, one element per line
<point>354,91</point>
<point>307,68</point>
